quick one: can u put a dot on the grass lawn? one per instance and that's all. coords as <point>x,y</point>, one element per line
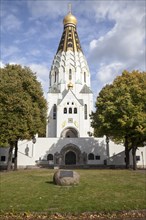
<point>99,190</point>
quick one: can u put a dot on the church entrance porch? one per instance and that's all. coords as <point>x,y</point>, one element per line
<point>70,154</point>
<point>70,158</point>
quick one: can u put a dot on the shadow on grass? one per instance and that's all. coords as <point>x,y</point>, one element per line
<point>50,182</point>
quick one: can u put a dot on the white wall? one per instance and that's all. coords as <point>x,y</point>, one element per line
<point>4,152</point>
<point>118,157</point>
<point>29,153</point>
<point>45,146</point>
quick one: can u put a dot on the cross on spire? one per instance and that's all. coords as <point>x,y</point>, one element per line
<point>69,7</point>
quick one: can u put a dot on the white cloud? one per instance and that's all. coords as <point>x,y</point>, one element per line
<point>42,73</point>
<point>40,69</point>
<point>122,47</point>
<point>34,52</point>
<point>10,23</point>
<point>123,42</point>
<point>107,73</point>
<point>2,65</point>
<point>9,51</point>
<point>30,32</point>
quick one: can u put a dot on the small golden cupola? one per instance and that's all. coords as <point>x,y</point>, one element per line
<point>69,19</point>
<point>70,85</point>
<point>69,40</point>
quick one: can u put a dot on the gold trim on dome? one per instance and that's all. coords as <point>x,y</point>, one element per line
<point>69,39</point>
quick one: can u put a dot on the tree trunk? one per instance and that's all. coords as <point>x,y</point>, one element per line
<point>127,151</point>
<point>9,163</point>
<point>16,155</point>
<point>134,158</point>
<point>127,159</point>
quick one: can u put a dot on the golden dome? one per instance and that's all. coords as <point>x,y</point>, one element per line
<point>69,19</point>
<point>70,85</point>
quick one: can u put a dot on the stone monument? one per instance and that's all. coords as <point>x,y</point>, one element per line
<point>66,178</point>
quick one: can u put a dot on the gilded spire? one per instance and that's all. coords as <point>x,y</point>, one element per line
<point>69,39</point>
<point>69,18</point>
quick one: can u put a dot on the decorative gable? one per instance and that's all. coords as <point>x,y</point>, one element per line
<point>86,90</point>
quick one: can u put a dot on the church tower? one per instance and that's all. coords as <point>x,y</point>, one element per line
<point>70,99</point>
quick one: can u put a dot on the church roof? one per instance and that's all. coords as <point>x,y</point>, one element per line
<point>65,92</point>
<point>69,39</point>
<point>85,89</point>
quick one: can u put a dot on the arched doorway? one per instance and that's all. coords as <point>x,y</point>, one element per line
<point>70,158</point>
<point>71,155</point>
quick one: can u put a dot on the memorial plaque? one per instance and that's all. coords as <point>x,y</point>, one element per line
<point>66,173</point>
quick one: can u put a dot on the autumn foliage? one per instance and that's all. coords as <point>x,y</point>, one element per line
<point>121,111</point>
<point>22,107</point>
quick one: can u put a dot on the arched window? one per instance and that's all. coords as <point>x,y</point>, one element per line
<point>65,110</point>
<point>54,111</point>
<point>50,157</point>
<point>85,77</point>
<point>70,74</point>
<point>69,44</point>
<point>70,110</point>
<point>75,110</point>
<point>90,156</point>
<point>85,111</point>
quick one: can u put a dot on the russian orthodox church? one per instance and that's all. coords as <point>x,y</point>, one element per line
<point>69,139</point>
<point>70,99</point>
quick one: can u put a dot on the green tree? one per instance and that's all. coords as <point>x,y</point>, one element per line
<point>22,107</point>
<point>121,112</point>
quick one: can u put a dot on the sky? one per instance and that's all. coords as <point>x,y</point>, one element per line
<point>111,32</point>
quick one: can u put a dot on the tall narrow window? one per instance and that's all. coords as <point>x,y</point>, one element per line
<point>75,110</point>
<point>3,158</point>
<point>54,111</point>
<point>65,110</point>
<point>85,77</point>
<point>97,157</point>
<point>50,79</point>
<point>55,77</point>
<point>70,110</point>
<point>85,111</point>
<point>70,74</point>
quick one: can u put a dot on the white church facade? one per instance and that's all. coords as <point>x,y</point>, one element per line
<point>69,139</point>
